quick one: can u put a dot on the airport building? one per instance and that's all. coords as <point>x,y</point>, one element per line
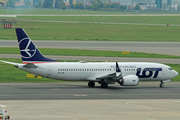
<point>67,2</point>
<point>150,4</point>
<point>3,2</point>
<point>22,2</point>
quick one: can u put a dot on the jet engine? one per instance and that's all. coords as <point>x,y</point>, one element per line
<point>130,80</point>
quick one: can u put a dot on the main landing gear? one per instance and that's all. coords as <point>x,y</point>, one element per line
<point>103,84</point>
<point>91,84</point>
<point>161,84</point>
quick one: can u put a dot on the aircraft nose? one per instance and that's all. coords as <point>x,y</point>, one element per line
<point>175,73</point>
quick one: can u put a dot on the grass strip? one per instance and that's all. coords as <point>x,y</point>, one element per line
<point>80,52</point>
<point>8,73</point>
<point>95,32</point>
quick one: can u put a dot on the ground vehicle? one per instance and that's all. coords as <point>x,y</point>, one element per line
<point>4,113</point>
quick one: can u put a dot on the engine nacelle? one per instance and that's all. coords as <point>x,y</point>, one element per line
<point>130,80</point>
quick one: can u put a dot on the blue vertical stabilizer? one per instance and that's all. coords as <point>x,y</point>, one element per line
<point>29,52</point>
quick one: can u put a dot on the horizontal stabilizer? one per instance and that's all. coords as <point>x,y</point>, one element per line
<point>12,63</point>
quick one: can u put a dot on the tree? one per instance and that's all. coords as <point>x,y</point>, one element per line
<point>95,5</point>
<point>63,6</point>
<point>38,4</point>
<point>58,3</point>
<point>78,5</point>
<point>72,6</point>
<point>107,6</point>
<point>10,3</point>
<point>137,7</point>
<point>122,7</point>
<point>101,5</point>
<point>112,6</point>
<point>48,3</point>
<point>98,5</point>
<point>27,4</point>
<point>178,8</point>
<point>89,7</point>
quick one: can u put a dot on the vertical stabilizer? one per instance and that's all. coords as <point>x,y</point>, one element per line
<point>29,52</point>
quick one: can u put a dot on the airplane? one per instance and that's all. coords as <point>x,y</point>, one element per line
<point>104,73</point>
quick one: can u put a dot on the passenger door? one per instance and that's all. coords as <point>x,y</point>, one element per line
<point>49,72</point>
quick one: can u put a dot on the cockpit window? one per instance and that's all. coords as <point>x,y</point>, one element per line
<point>169,68</point>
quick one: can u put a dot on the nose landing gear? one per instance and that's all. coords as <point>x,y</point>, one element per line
<point>161,84</point>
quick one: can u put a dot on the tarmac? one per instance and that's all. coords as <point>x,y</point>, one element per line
<point>126,109</point>
<point>80,90</point>
<point>168,48</point>
<point>76,101</point>
<point>100,59</point>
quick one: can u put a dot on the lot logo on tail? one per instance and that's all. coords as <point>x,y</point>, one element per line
<point>27,48</point>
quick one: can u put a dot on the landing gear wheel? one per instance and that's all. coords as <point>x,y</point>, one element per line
<point>104,85</point>
<point>162,84</point>
<point>91,84</point>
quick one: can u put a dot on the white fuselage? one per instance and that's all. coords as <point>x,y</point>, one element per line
<point>75,71</point>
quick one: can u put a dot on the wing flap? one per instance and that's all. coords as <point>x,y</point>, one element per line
<point>113,76</point>
<point>101,76</point>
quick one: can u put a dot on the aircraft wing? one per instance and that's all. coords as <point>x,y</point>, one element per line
<point>101,76</point>
<point>114,76</point>
<point>107,76</point>
<point>110,76</point>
